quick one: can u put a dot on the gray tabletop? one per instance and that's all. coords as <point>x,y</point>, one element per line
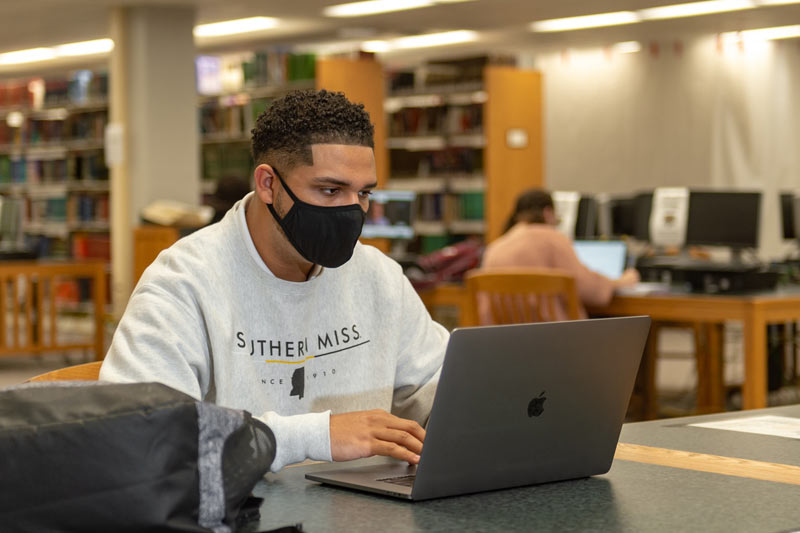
<point>631,497</point>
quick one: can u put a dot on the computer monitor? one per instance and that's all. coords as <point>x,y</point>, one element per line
<point>605,257</point>
<point>642,206</point>
<point>787,216</point>
<point>623,216</point>
<point>724,218</point>
<point>390,215</point>
<point>586,222</point>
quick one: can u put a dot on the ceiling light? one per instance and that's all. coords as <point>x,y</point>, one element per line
<point>373,7</point>
<point>765,34</point>
<point>231,27</point>
<point>586,21</point>
<point>84,48</point>
<point>30,55</point>
<point>375,46</point>
<point>434,39</point>
<point>694,8</point>
<point>627,47</point>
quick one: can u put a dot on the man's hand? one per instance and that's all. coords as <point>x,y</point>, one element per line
<point>367,433</point>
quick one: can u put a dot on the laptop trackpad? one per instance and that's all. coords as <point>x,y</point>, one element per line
<point>394,477</point>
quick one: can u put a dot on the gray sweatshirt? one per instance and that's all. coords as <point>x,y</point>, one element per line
<point>208,318</point>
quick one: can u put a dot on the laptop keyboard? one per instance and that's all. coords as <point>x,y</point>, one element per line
<point>406,481</point>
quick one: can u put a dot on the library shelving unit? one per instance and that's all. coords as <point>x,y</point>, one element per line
<point>233,91</point>
<point>466,136</point>
<point>228,111</point>
<point>53,177</point>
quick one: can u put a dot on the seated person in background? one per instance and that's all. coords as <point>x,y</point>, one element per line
<point>230,189</point>
<point>279,310</point>
<point>532,240</point>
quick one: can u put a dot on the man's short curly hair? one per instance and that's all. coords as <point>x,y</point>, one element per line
<point>284,133</point>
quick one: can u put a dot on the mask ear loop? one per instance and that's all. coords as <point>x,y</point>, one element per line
<point>286,187</point>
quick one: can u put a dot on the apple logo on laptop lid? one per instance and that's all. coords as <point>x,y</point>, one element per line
<point>536,405</point>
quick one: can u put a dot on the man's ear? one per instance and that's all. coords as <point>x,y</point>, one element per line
<point>264,178</point>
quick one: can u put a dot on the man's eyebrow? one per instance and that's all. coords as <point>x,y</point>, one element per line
<point>340,183</point>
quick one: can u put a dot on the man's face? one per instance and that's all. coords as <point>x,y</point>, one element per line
<point>341,175</point>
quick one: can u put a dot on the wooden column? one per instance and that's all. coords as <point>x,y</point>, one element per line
<point>361,80</point>
<point>513,108</point>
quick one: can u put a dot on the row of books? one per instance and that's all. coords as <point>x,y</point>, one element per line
<point>464,206</point>
<point>11,213</point>
<point>87,207</point>
<point>275,67</point>
<point>73,208</point>
<point>444,73</point>
<point>86,166</point>
<point>226,160</point>
<point>405,163</point>
<point>82,126</point>
<point>91,246</point>
<point>439,120</point>
<point>236,72</point>
<point>77,87</point>
<point>233,120</point>
<point>48,246</point>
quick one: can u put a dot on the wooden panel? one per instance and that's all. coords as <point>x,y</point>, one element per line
<point>362,81</point>
<point>715,464</point>
<point>514,101</point>
<point>148,241</point>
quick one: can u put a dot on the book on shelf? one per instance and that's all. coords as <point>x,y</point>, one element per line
<point>91,246</point>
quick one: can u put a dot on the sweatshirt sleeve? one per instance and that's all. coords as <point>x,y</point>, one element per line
<point>160,338</point>
<point>420,359</point>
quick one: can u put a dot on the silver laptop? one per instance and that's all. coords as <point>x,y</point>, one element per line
<point>517,405</point>
<point>606,257</point>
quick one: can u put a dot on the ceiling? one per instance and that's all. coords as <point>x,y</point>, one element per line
<point>503,23</point>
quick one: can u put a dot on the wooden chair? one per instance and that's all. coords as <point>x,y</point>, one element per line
<point>85,372</point>
<point>32,297</point>
<point>516,295</point>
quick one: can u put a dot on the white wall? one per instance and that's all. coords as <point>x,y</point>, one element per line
<point>703,113</point>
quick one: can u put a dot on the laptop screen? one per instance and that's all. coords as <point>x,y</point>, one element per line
<point>606,257</point>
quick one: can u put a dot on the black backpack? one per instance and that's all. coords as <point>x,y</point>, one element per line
<point>96,456</point>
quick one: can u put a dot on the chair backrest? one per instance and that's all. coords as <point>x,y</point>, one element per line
<point>515,295</point>
<point>85,372</point>
<point>32,297</point>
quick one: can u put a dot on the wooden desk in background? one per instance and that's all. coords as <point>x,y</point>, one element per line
<point>754,311</point>
<point>709,312</point>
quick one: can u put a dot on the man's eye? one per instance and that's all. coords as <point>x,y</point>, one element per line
<point>365,194</point>
<point>329,191</point>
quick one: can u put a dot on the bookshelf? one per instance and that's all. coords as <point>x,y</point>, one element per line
<point>53,176</point>
<point>448,128</point>
<point>235,89</point>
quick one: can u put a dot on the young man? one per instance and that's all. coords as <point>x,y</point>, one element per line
<point>277,309</point>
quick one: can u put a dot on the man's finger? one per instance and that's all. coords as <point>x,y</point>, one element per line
<point>409,426</point>
<point>390,449</point>
<point>401,438</point>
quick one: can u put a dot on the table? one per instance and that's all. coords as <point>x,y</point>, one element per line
<point>755,311</point>
<point>633,496</point>
<point>708,312</point>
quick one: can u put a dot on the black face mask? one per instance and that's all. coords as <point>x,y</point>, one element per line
<point>325,236</point>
